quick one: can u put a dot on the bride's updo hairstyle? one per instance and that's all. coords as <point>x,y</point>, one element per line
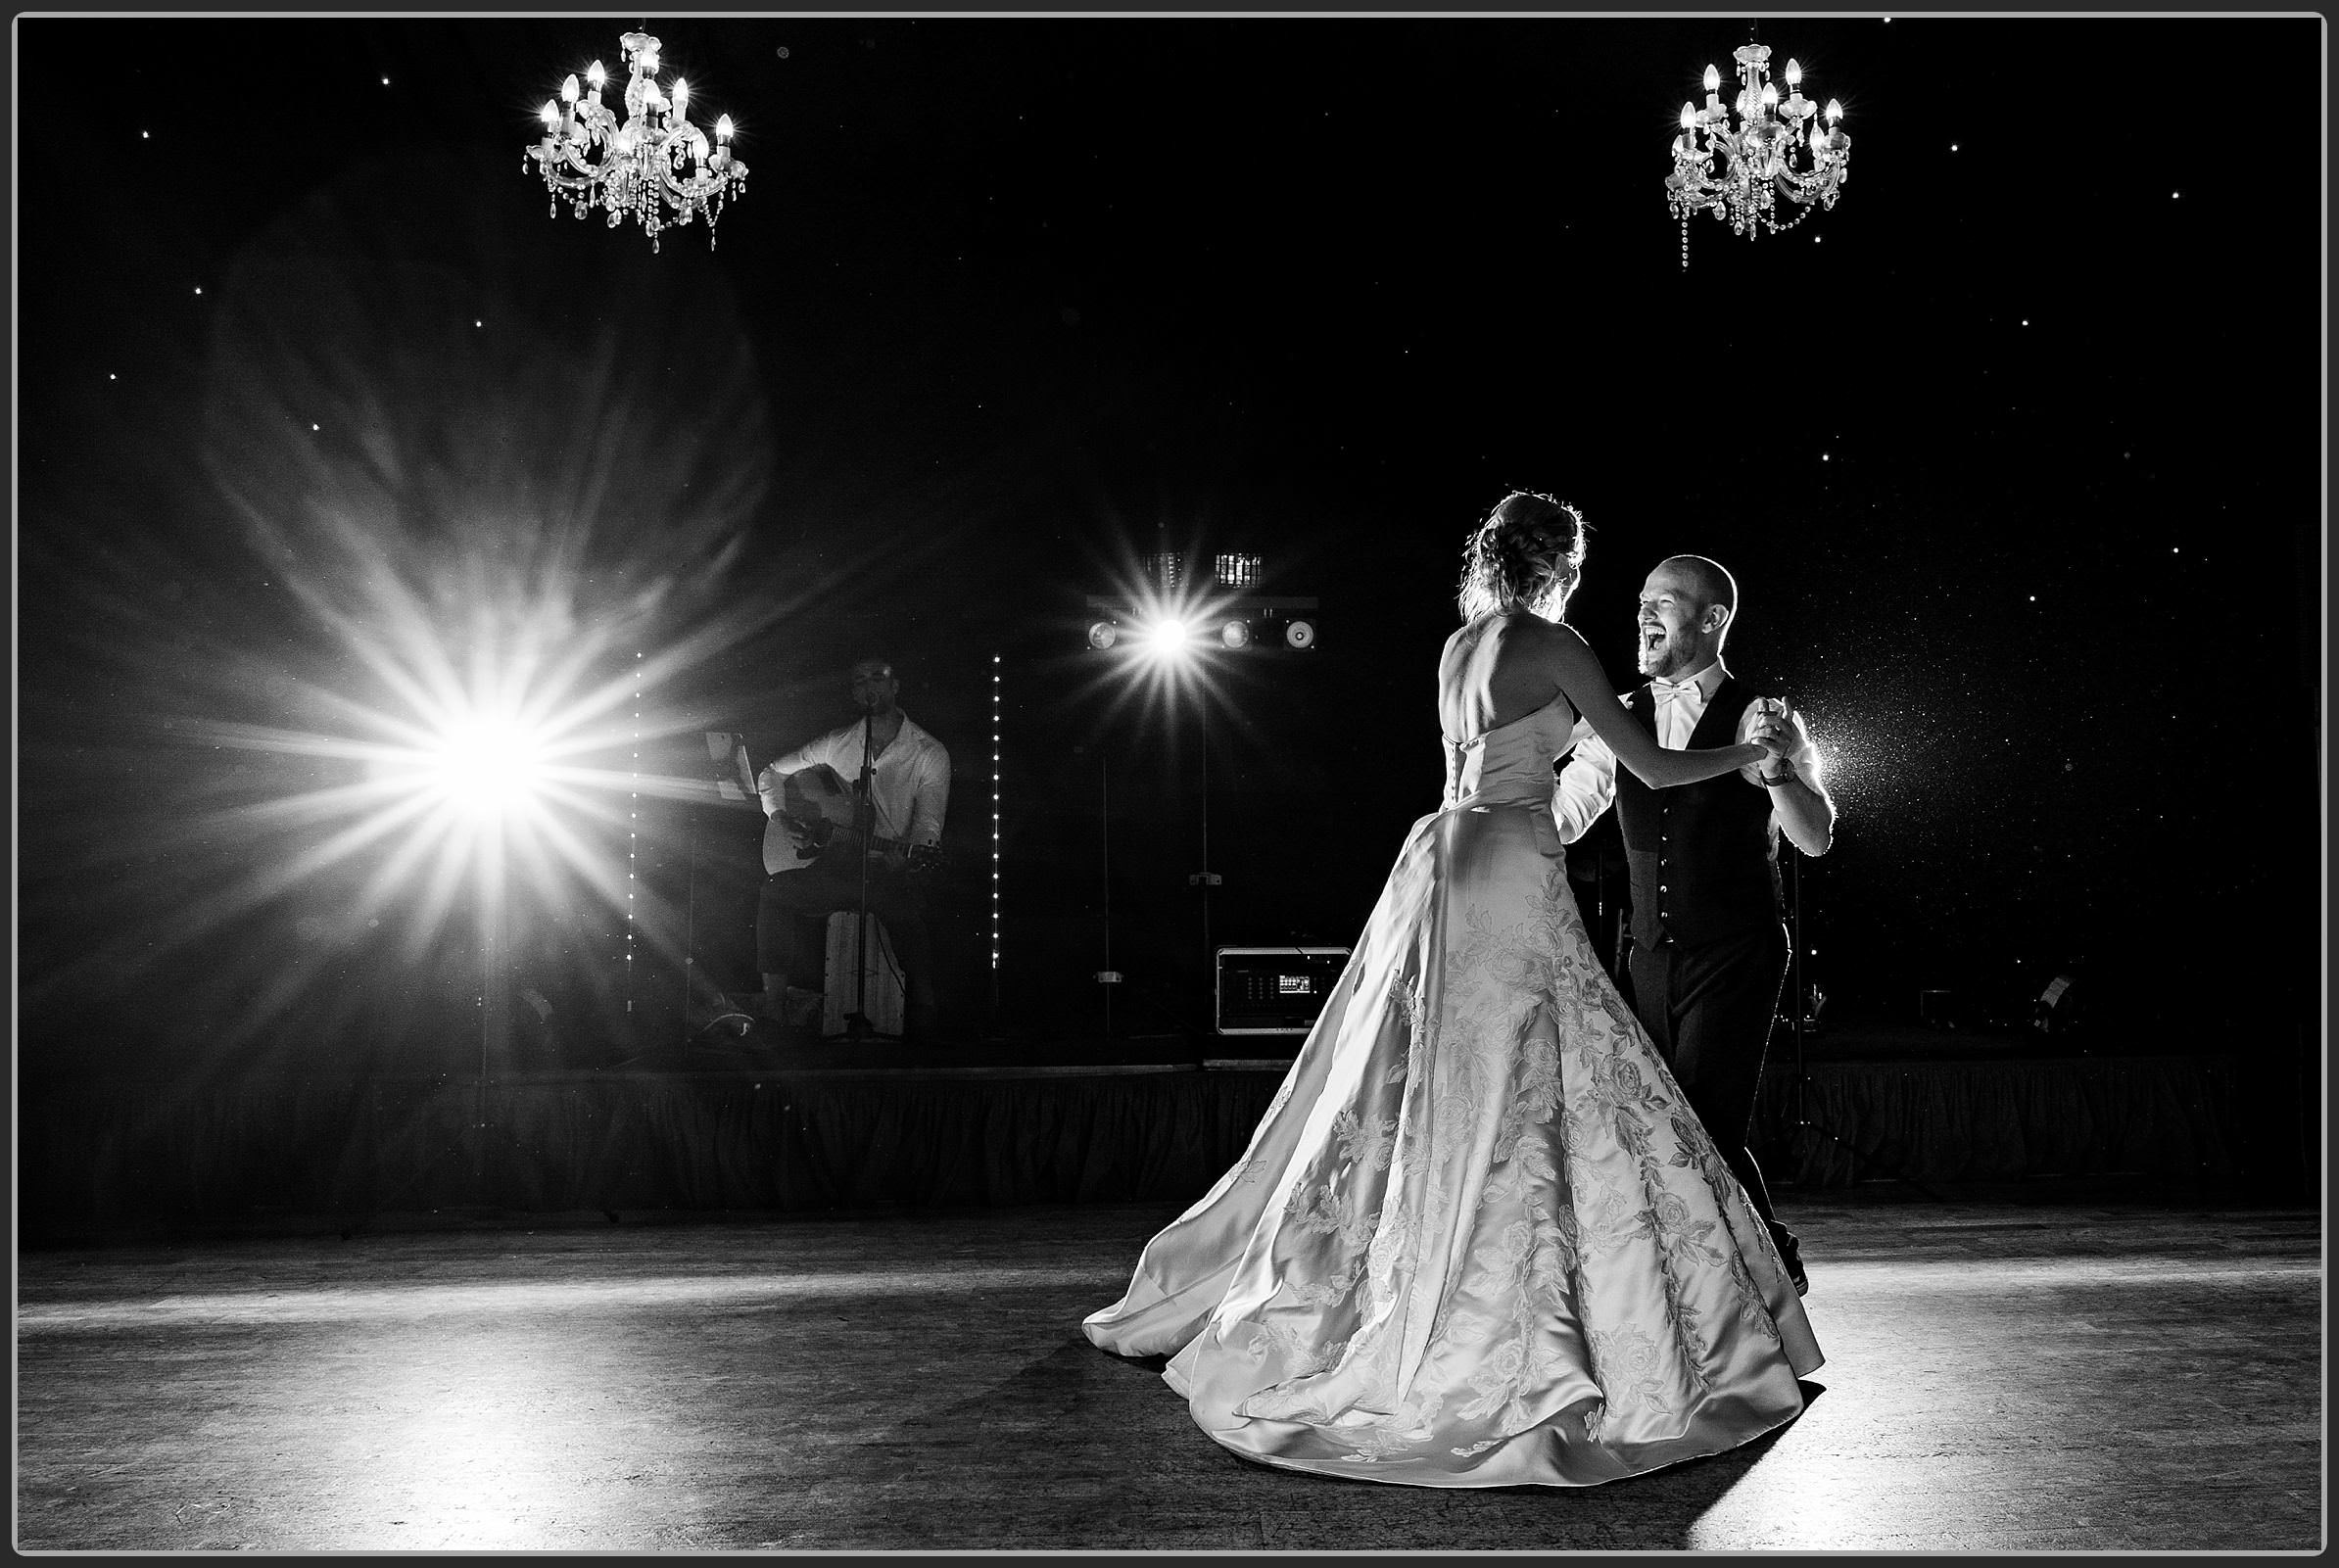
<point>1530,547</point>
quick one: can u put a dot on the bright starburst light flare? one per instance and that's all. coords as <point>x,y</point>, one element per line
<point>1166,638</point>
<point>489,765</point>
<point>1168,656</point>
<point>388,648</point>
<point>1162,662</point>
<point>514,768</point>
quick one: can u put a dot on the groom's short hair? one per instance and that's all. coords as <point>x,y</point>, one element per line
<point>1712,581</point>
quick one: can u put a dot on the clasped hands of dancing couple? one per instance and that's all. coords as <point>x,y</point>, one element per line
<point>1495,1229</point>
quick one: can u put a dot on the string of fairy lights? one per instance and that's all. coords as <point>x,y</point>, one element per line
<point>632,848</point>
<point>996,690</point>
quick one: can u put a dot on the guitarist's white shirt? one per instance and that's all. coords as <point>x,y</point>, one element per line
<point>911,780</point>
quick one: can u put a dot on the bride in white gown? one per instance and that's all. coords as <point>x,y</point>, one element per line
<point>1479,1239</point>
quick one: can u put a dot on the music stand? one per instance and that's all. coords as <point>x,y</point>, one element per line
<point>726,749</point>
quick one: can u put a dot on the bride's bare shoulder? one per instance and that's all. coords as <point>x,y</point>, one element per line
<point>1536,632</point>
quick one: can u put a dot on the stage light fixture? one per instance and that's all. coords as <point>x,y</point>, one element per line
<point>1238,570</point>
<point>486,767</point>
<point>1169,638</point>
<point>1171,630</point>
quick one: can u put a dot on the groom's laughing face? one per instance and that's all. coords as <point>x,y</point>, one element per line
<point>1676,638</point>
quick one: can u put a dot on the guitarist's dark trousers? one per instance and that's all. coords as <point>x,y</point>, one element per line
<point>790,942</point>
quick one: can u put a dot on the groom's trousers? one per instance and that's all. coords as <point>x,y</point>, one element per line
<point>1709,1010</point>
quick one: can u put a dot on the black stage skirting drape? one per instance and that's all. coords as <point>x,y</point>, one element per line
<point>100,1155</point>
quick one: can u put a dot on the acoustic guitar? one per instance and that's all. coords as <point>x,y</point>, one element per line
<point>816,819</point>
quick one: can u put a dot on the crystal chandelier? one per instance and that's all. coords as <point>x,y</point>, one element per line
<point>1763,158</point>
<point>655,160</point>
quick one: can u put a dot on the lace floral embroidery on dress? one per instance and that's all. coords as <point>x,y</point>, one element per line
<point>1696,1152</point>
<point>1509,1215</point>
<point>1617,1100</point>
<point>1250,1168</point>
<point>1375,1438</point>
<point>1336,1206</point>
<point>1405,997</point>
<point>1295,1354</point>
<point>1627,1362</point>
<point>1366,1143</point>
<point>1500,983</point>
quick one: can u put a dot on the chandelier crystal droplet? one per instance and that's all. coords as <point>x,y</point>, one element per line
<point>654,163</point>
<point>1772,148</point>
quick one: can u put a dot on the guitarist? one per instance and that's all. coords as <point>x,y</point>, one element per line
<point>910,787</point>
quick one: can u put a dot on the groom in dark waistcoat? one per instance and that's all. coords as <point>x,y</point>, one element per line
<point>1709,949</point>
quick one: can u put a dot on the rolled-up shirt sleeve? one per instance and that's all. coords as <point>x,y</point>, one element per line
<point>930,801</point>
<point>1587,785</point>
<point>1805,757</point>
<point>767,782</point>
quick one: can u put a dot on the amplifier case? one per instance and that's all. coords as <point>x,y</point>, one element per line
<point>1274,990</point>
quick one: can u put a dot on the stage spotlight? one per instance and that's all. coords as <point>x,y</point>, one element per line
<point>1235,634</point>
<point>1103,634</point>
<point>1299,634</point>
<point>1168,637</point>
<point>1238,570</point>
<point>485,767</point>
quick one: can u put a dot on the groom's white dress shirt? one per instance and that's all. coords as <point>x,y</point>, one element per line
<point>1588,784</point>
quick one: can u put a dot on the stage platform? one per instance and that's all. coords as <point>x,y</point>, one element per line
<point>725,1123</point>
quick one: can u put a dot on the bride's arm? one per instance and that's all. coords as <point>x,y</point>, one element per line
<point>1585,684</point>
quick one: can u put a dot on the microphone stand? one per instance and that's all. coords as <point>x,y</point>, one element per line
<point>856,1023</point>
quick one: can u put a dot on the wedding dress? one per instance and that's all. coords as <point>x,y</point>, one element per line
<point>1478,1239</point>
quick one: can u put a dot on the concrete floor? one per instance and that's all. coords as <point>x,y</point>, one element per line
<point>2002,1375</point>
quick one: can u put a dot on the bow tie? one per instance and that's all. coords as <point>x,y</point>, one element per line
<point>1670,690</point>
